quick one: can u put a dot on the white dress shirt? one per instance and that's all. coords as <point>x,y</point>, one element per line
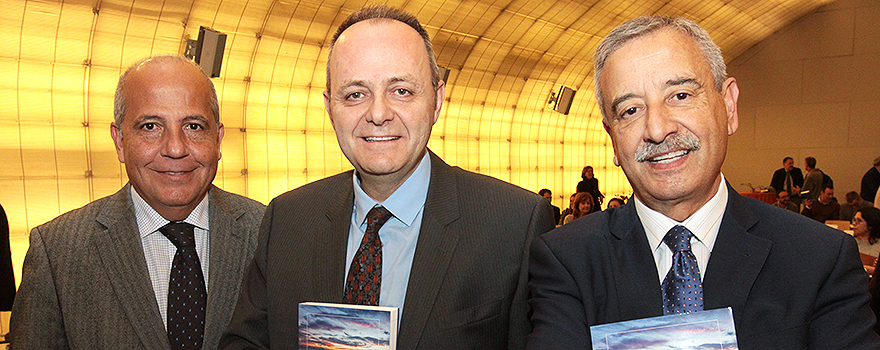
<point>704,224</point>
<point>159,251</point>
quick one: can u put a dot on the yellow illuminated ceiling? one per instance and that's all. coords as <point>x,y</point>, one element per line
<point>59,61</point>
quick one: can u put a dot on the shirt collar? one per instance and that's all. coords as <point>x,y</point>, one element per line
<point>405,203</point>
<point>150,221</point>
<point>704,223</point>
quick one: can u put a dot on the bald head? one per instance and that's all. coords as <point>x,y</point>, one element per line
<point>162,67</point>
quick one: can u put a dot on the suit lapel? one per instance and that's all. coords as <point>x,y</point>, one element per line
<point>736,259</point>
<point>329,274</point>
<point>435,248</point>
<point>228,250</point>
<point>636,275</point>
<point>122,257</point>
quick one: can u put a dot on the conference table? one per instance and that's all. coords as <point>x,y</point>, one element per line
<point>766,197</point>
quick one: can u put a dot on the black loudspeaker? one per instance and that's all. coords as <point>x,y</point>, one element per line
<point>209,51</point>
<point>564,99</point>
<point>444,74</point>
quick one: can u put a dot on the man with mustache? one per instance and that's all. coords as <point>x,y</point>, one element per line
<point>687,241</point>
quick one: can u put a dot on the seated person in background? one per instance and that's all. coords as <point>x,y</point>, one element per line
<point>615,202</point>
<point>866,230</point>
<point>583,205</point>
<point>825,208</point>
<point>783,200</point>
<point>854,202</point>
<point>565,213</point>
<point>549,195</point>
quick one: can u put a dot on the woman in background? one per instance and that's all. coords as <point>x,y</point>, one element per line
<point>583,205</point>
<point>866,230</point>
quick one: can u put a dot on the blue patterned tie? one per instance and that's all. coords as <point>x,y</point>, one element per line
<point>364,282</point>
<point>682,288</point>
<point>187,296</point>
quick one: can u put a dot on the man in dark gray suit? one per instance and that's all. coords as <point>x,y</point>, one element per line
<point>669,109</point>
<point>454,253</point>
<point>98,277</point>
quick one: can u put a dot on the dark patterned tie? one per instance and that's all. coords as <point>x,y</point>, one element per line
<point>682,288</point>
<point>187,295</point>
<point>364,280</point>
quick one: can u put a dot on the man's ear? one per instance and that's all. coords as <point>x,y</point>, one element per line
<point>730,94</point>
<point>327,106</point>
<point>440,94</point>
<point>116,134</point>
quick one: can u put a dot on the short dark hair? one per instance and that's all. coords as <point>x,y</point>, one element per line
<point>390,13</point>
<point>827,186</point>
<point>786,159</point>
<point>544,190</point>
<point>811,162</point>
<point>851,196</point>
<point>615,199</point>
<point>871,215</point>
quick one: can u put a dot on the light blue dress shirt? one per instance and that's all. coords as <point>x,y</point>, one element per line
<point>399,235</point>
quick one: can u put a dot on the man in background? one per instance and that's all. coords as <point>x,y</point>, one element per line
<point>669,108</point>
<point>783,201</point>
<point>854,202</point>
<point>545,192</point>
<point>789,179</point>
<point>823,208</point>
<point>871,182</point>
<point>814,180</point>
<point>115,273</point>
<point>447,247</point>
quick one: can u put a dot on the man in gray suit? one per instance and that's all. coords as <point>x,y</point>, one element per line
<point>455,249</point>
<point>98,277</point>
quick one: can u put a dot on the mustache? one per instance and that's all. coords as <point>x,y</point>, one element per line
<point>684,140</point>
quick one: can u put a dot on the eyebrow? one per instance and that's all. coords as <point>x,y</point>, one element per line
<point>671,82</point>
<point>619,100</point>
<point>683,81</point>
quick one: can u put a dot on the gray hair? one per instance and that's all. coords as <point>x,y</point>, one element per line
<point>120,103</point>
<point>389,13</point>
<point>640,26</point>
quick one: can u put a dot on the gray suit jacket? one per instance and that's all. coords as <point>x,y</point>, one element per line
<point>467,287</point>
<point>792,283</point>
<point>85,283</point>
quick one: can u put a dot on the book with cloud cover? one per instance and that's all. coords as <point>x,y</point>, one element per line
<point>329,326</point>
<point>704,330</point>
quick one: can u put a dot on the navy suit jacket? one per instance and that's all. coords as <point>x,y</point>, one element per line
<point>793,283</point>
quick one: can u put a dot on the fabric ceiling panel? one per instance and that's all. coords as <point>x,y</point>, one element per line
<point>61,61</point>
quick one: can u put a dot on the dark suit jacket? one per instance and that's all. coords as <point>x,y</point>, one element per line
<point>793,283</point>
<point>7,278</point>
<point>467,287</point>
<point>778,181</point>
<point>85,283</point>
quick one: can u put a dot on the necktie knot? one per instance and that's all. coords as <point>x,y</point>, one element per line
<point>179,233</point>
<point>682,288</point>
<point>678,239</point>
<point>377,217</point>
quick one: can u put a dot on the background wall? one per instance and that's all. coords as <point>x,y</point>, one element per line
<point>811,89</point>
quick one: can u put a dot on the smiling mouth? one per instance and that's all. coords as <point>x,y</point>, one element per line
<point>381,138</point>
<point>174,172</point>
<point>668,157</point>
